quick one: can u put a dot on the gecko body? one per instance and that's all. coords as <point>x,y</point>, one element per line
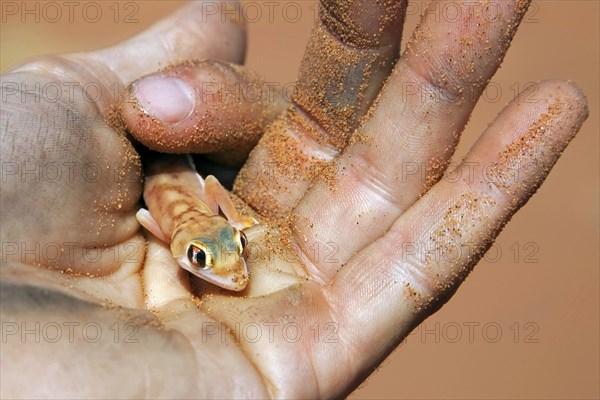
<point>199,220</point>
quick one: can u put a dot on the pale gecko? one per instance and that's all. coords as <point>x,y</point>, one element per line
<point>199,220</point>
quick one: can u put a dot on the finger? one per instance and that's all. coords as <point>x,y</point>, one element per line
<point>168,295</point>
<point>352,49</point>
<point>201,29</point>
<point>407,144</point>
<point>200,107</point>
<point>164,281</point>
<point>97,212</point>
<point>418,264</point>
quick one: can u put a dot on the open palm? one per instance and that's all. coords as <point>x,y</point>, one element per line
<point>360,239</point>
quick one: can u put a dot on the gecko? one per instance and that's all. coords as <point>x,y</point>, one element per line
<point>198,219</point>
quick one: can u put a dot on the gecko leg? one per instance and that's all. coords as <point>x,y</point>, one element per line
<point>217,199</point>
<point>147,221</point>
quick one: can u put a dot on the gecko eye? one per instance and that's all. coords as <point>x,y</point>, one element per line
<point>197,256</point>
<point>243,240</point>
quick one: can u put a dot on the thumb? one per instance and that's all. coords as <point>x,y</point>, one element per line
<point>202,106</point>
<point>201,29</point>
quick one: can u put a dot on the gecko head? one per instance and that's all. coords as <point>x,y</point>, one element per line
<point>218,258</point>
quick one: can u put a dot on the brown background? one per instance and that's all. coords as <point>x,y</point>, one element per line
<point>540,283</point>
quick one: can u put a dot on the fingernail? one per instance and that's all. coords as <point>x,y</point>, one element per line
<point>166,98</point>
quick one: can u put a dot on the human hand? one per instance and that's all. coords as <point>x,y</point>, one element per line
<point>377,295</point>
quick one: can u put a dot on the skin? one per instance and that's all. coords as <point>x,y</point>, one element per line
<point>193,340</point>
